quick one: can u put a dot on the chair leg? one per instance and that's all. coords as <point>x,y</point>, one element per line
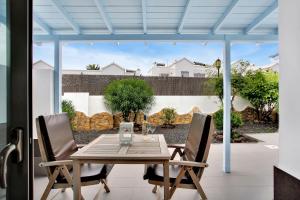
<point>177,181</point>
<point>107,190</point>
<point>50,184</point>
<point>197,184</point>
<point>154,190</point>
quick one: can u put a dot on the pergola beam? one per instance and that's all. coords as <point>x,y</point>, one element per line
<point>104,16</point>
<point>157,37</point>
<point>67,17</point>
<point>183,18</point>
<point>42,24</point>
<point>222,19</point>
<point>257,21</point>
<point>144,10</point>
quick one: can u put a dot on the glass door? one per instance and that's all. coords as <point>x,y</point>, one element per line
<point>15,101</point>
<point>3,79</point>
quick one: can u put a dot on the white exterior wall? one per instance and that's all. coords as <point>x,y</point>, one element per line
<point>176,68</point>
<point>42,92</point>
<point>113,70</point>
<point>91,105</point>
<point>157,70</point>
<point>289,93</point>
<point>83,72</point>
<point>183,65</point>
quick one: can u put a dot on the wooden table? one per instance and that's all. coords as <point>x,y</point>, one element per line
<point>150,149</point>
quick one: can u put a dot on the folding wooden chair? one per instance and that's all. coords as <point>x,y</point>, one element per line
<point>186,172</point>
<point>56,143</point>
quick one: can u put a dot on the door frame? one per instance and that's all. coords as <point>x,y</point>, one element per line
<point>20,176</point>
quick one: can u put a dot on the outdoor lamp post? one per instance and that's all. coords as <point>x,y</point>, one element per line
<point>218,65</point>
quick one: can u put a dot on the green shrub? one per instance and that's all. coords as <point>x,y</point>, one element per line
<point>262,91</point>
<point>236,119</point>
<point>68,107</point>
<point>168,116</point>
<point>127,96</point>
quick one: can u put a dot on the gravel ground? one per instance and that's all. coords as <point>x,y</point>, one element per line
<point>179,133</point>
<point>172,135</point>
<point>250,127</point>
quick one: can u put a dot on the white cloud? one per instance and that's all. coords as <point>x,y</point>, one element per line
<point>74,58</point>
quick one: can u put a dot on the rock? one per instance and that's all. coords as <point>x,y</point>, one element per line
<point>155,119</point>
<point>249,114</point>
<point>101,121</point>
<point>183,119</point>
<point>81,122</point>
<point>117,119</point>
<point>195,110</point>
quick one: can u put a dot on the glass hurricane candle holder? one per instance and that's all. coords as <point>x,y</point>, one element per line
<point>126,133</point>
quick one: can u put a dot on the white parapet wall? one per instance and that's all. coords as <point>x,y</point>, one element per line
<point>289,93</point>
<point>91,105</point>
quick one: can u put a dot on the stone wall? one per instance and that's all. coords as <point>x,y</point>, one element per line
<point>106,121</point>
<point>155,119</point>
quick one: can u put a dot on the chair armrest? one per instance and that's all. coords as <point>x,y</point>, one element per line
<point>177,146</point>
<point>188,163</point>
<point>56,163</point>
<point>80,145</point>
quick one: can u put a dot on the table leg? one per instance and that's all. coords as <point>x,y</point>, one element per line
<point>76,180</point>
<point>166,180</point>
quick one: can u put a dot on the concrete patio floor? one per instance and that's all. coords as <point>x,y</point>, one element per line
<point>251,177</point>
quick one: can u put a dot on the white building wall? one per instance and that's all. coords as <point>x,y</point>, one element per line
<point>42,93</point>
<point>289,93</point>
<point>91,105</point>
<point>183,65</point>
<point>113,70</point>
<point>177,67</point>
<point>157,70</point>
<point>80,101</point>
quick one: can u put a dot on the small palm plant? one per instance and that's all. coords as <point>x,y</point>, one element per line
<point>93,67</point>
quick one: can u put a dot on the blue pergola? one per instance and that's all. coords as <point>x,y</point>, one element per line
<point>226,21</point>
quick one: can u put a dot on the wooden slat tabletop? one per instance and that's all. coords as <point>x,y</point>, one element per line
<point>107,146</point>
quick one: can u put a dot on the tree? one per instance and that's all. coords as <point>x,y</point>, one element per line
<point>238,70</point>
<point>237,83</point>
<point>93,67</point>
<point>128,95</point>
<point>262,90</point>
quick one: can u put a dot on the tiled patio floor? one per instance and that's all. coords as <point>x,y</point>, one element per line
<point>251,177</point>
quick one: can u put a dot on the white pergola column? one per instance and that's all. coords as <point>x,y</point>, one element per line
<point>227,107</point>
<point>57,76</point>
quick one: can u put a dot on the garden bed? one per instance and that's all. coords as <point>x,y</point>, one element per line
<point>172,135</point>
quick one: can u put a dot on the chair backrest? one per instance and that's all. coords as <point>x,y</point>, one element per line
<point>199,138</point>
<point>55,137</point>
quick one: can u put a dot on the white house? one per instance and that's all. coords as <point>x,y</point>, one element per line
<point>182,68</point>
<point>111,69</point>
<point>274,65</point>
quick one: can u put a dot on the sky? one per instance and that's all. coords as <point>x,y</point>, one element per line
<point>133,55</point>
